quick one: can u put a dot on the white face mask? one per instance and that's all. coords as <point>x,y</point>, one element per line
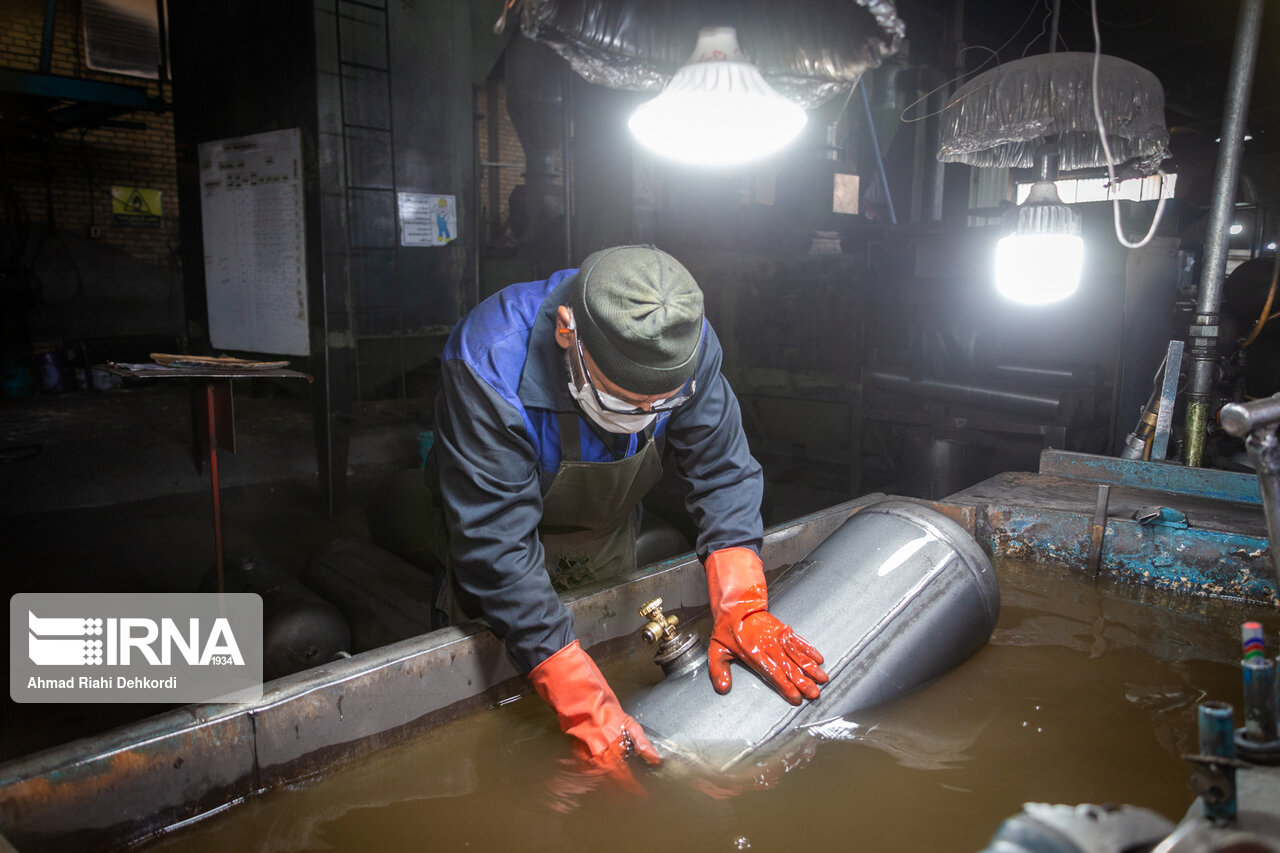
<point>606,420</point>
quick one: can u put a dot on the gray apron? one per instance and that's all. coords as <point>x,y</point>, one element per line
<point>588,517</point>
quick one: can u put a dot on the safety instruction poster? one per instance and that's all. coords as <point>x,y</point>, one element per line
<point>254,245</point>
<point>428,220</point>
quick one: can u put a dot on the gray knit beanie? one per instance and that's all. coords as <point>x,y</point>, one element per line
<point>639,313</point>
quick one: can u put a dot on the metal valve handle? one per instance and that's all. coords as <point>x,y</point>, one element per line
<point>659,625</point>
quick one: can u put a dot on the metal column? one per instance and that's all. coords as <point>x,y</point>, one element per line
<point>1204,328</point>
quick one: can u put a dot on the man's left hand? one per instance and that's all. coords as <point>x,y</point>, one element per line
<point>746,631</point>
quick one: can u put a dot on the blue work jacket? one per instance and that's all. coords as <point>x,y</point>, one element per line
<point>505,381</point>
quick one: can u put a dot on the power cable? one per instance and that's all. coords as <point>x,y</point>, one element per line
<point>1106,148</point>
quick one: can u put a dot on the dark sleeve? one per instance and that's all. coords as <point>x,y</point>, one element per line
<point>726,483</point>
<point>493,501</point>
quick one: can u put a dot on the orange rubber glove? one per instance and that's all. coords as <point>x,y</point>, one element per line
<point>605,735</point>
<point>745,630</point>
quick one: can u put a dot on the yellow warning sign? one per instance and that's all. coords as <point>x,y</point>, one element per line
<point>136,206</point>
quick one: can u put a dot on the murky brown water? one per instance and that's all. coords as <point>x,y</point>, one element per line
<point>1085,694</point>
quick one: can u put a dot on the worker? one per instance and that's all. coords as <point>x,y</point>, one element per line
<point>558,399</point>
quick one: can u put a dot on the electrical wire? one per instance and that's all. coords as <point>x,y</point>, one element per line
<point>994,54</point>
<point>1263,319</point>
<point>1106,147</point>
<point>1044,27</point>
<point>1130,26</point>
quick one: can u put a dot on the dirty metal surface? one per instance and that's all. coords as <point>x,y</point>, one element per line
<point>1190,561</point>
<point>1066,494</point>
<point>113,790</point>
<point>178,764</point>
<point>1222,551</point>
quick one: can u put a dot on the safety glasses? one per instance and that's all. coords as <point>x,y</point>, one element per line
<point>613,405</point>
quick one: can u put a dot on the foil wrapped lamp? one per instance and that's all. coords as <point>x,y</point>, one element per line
<point>1003,116</point>
<point>1039,112</point>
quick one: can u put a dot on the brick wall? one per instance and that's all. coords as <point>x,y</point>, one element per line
<point>82,166</point>
<point>509,151</point>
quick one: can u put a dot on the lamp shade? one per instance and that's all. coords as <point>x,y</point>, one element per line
<point>717,110</point>
<point>1003,116</point>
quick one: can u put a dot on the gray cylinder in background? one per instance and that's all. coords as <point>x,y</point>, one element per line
<point>895,597</point>
<point>299,628</point>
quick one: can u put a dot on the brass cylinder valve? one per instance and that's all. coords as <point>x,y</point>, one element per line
<point>659,626</point>
<point>676,649</point>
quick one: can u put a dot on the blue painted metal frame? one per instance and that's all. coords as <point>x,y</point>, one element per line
<point>1159,476</point>
<point>77,89</point>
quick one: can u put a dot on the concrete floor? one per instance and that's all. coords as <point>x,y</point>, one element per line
<point>99,493</point>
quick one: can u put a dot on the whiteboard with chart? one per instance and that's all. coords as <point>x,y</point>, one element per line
<point>255,267</point>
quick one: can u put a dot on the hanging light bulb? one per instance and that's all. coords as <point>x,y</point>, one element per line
<point>717,110</point>
<point>1040,260</point>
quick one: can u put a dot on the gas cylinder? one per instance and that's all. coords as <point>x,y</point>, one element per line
<point>895,597</point>
<point>299,628</point>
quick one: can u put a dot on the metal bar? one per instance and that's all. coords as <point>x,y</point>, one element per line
<point>1192,482</point>
<point>1187,562</point>
<point>875,146</point>
<point>1098,530</point>
<point>76,89</point>
<point>1257,422</point>
<point>1204,328</point>
<point>162,27</point>
<point>1168,392</point>
<point>1217,740</point>
<point>46,37</point>
<point>211,407</point>
<point>566,160</point>
<point>1259,699</point>
<point>1040,404</point>
<point>494,148</point>
<point>1240,419</point>
<point>224,414</point>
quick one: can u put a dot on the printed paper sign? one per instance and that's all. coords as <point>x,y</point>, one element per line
<point>428,220</point>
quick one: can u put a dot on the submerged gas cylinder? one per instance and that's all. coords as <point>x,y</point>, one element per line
<point>895,597</point>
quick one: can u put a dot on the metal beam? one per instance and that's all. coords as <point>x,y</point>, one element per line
<point>78,89</point>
